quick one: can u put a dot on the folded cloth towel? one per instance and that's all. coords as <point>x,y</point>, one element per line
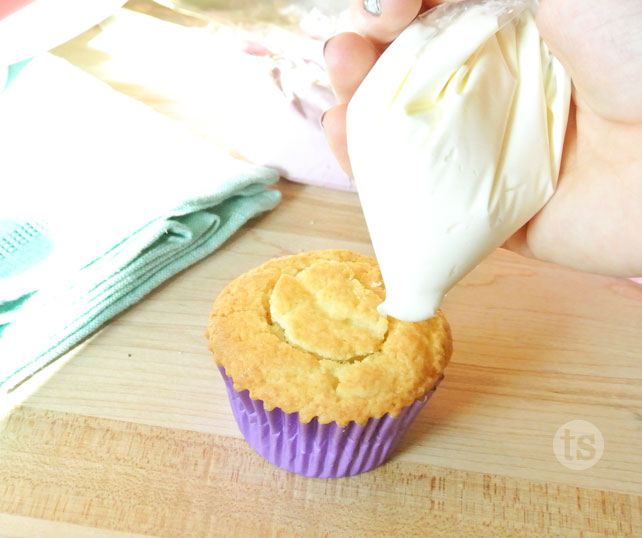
<point>103,199</point>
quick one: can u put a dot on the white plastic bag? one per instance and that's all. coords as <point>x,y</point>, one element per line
<point>278,48</point>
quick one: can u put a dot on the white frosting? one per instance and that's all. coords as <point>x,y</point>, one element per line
<point>455,139</point>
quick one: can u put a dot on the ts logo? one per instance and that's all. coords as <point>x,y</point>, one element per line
<point>578,444</point>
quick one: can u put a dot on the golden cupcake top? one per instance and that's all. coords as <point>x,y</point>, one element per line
<point>303,333</point>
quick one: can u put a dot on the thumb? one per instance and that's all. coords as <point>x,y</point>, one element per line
<point>600,45</point>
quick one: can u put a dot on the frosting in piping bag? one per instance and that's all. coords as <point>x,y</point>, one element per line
<point>455,139</point>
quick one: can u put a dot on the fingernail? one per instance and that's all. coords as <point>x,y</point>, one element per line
<point>372,6</point>
<point>325,45</point>
<point>322,116</point>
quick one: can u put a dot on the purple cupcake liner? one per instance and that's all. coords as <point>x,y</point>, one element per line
<point>313,449</point>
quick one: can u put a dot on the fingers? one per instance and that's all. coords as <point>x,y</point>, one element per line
<point>348,58</point>
<point>384,27</point>
<point>334,125</point>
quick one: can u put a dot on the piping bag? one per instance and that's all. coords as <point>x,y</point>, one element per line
<point>455,139</point>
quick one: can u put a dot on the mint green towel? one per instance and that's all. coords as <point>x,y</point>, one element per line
<point>102,200</point>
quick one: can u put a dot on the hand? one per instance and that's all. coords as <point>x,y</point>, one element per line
<point>593,222</point>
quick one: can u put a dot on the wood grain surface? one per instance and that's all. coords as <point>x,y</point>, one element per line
<point>131,434</point>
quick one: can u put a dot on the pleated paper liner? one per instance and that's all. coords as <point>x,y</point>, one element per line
<point>318,450</point>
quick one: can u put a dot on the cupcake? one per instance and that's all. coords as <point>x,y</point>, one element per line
<point>321,383</point>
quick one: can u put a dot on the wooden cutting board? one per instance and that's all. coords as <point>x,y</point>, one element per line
<point>131,434</point>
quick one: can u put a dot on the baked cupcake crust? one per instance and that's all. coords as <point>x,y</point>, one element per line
<point>302,333</point>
